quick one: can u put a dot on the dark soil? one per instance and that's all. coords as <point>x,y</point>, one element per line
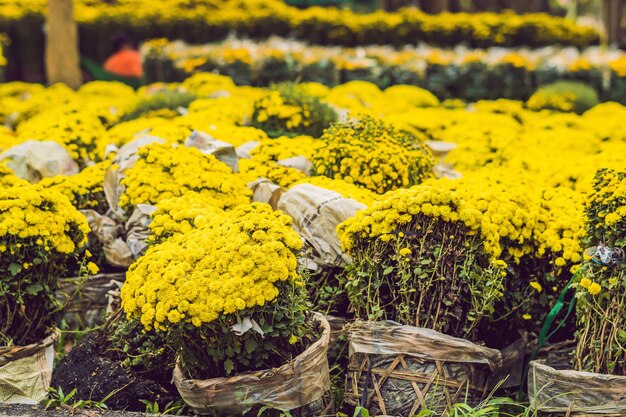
<point>90,369</point>
<point>23,410</point>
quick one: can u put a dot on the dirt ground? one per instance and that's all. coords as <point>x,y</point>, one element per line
<point>21,410</point>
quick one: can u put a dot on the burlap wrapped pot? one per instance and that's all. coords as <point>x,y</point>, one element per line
<point>300,383</point>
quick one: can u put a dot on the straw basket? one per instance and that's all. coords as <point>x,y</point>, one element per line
<point>575,393</point>
<point>401,370</point>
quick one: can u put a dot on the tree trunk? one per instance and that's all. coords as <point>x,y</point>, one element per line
<point>62,59</point>
<point>611,14</point>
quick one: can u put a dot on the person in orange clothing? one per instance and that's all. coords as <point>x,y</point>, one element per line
<point>126,60</point>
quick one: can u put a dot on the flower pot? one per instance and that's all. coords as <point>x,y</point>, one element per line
<point>401,370</point>
<point>301,382</point>
<point>26,371</point>
<point>575,393</point>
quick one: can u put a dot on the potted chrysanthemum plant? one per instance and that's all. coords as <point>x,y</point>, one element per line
<point>229,298</point>
<point>40,233</point>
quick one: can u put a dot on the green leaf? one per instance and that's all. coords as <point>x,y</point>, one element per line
<point>70,395</point>
<point>34,289</point>
<point>362,412</point>
<point>229,366</point>
<point>15,268</point>
<point>251,345</point>
<point>388,270</point>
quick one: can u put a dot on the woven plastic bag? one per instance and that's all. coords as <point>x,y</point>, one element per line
<point>89,306</point>
<point>316,213</point>
<point>110,235</point>
<point>301,382</point>
<point>402,370</point>
<point>265,191</point>
<point>34,160</point>
<point>26,371</point>
<point>124,160</point>
<point>208,145</point>
<point>138,230</point>
<point>575,393</point>
<point>244,151</point>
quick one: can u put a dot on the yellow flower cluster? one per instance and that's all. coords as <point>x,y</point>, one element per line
<point>165,171</point>
<point>224,110</point>
<point>549,101</point>
<point>273,150</point>
<point>169,130</point>
<point>206,84</point>
<point>522,219</point>
<point>273,106</point>
<point>180,215</point>
<point>505,137</point>
<point>361,97</point>
<point>76,120</point>
<point>233,263</point>
<point>593,287</point>
<point>606,208</point>
<point>85,190</point>
<point>346,189</point>
<point>413,96</point>
<point>8,178</point>
<point>27,101</point>
<point>507,213</point>
<point>372,154</point>
<point>7,138</point>
<point>619,66</point>
<point>108,100</point>
<point>251,170</point>
<point>236,135</point>
<point>31,215</point>
<point>385,219</point>
<point>560,226</point>
<point>288,109</point>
